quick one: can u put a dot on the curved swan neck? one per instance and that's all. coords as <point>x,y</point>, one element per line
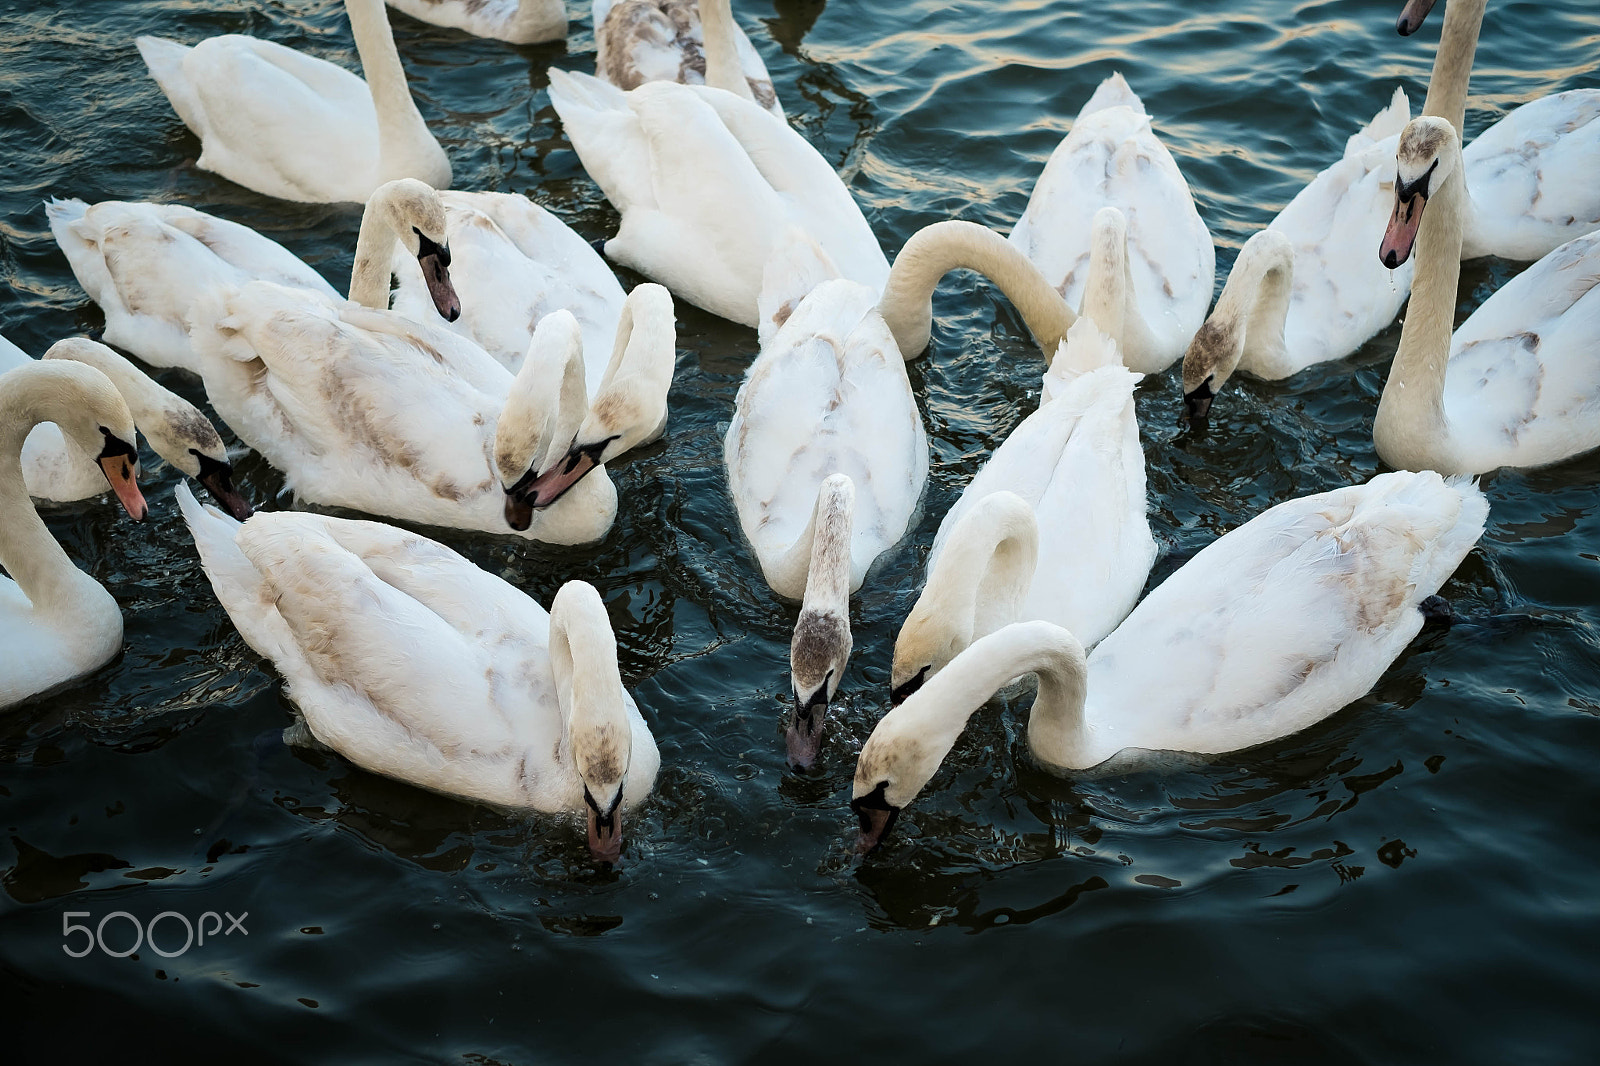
<point>1256,297</point>
<point>1106,289</point>
<point>983,572</point>
<point>1410,429</point>
<point>538,423</point>
<point>631,400</point>
<point>147,401</point>
<point>369,274</point>
<point>401,131</point>
<point>828,569</point>
<point>723,70</point>
<point>1452,64</point>
<point>28,552</point>
<point>583,663</point>
<point>933,251</point>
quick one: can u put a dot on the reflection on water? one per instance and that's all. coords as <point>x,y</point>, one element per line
<point>1406,881</point>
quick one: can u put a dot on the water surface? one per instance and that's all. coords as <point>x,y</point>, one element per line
<point>1412,880</point>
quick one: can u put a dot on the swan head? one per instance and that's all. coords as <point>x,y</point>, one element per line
<point>1412,16</point>
<point>897,760</point>
<point>1249,316</point>
<point>413,210</point>
<point>542,413</point>
<point>931,636</point>
<point>818,654</point>
<point>1424,161</point>
<point>583,662</point>
<point>175,428</point>
<point>91,413</point>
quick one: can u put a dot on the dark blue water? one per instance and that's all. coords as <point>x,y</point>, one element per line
<point>1413,880</point>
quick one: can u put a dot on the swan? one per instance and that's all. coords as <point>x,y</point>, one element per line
<point>287,125</point>
<point>1305,289</point>
<point>56,622</point>
<point>55,468</point>
<point>145,264</point>
<point>370,410</point>
<point>1111,157</point>
<point>694,42</point>
<point>1518,384</point>
<point>826,459</point>
<point>512,21</point>
<point>1531,176</point>
<point>517,262</point>
<point>1053,526</point>
<point>412,662</point>
<point>708,184</point>
<point>1265,631</point>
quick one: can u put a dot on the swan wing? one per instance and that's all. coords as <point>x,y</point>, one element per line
<point>1532,177</point>
<point>827,396</point>
<point>515,262</point>
<point>1342,293</point>
<point>283,123</point>
<point>1284,620</point>
<point>1112,157</point>
<point>1523,383</point>
<point>417,664</point>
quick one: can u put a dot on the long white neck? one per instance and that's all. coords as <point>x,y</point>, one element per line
<point>817,567</point>
<point>1410,430</point>
<point>982,573</point>
<point>369,274</point>
<point>583,664</point>
<point>934,716</point>
<point>147,401</point>
<point>28,552</point>
<point>723,70</point>
<point>405,147</point>
<point>631,399</point>
<point>1452,64</point>
<point>1255,303</point>
<point>933,251</point>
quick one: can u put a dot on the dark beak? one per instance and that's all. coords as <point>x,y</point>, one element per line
<point>803,738</point>
<point>218,480</point>
<point>876,821</point>
<point>120,464</point>
<point>1411,18</point>
<point>1197,404</point>
<point>605,833</point>
<point>899,695</point>
<point>519,512</point>
<point>435,261</point>
<point>553,484</point>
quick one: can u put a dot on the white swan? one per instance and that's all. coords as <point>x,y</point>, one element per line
<point>826,443</point>
<point>694,42</point>
<point>1111,157</point>
<point>298,128</point>
<point>517,263</point>
<point>708,184</point>
<point>371,410</point>
<point>55,468</point>
<point>513,21</point>
<point>145,264</point>
<point>1265,631</point>
<point>1519,384</point>
<point>56,622</point>
<point>1306,289</point>
<point>1053,527</point>
<point>1531,176</point>
<point>412,662</point>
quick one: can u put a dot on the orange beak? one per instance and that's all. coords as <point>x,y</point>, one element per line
<point>122,471</point>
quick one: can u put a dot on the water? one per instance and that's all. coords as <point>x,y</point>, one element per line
<point>1409,881</point>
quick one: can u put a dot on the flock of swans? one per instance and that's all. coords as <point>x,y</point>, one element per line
<point>511,367</point>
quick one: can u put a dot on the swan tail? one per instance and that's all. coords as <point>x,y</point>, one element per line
<point>1433,519</point>
<point>607,135</point>
<point>1113,92</point>
<point>235,580</point>
<point>79,240</point>
<point>164,60</point>
<point>1083,349</point>
<point>1386,123</point>
<point>796,266</point>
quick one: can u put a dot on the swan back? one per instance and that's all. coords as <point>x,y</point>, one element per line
<point>1284,620</point>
